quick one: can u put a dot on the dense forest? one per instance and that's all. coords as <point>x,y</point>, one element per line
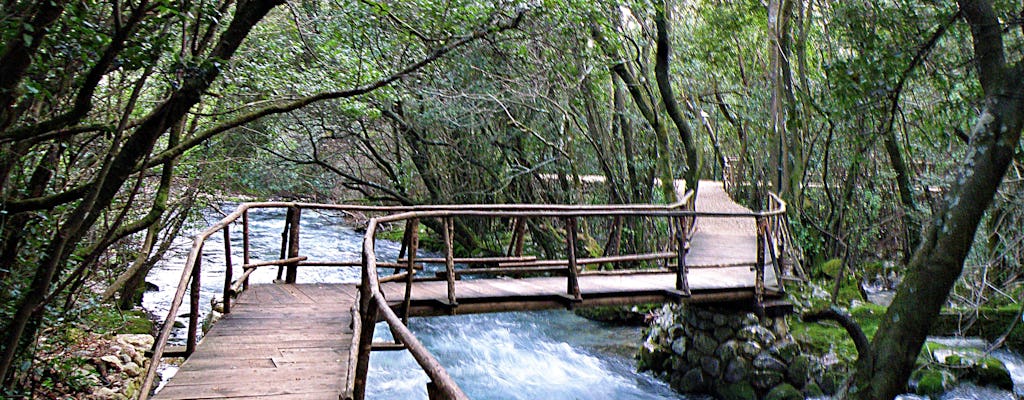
<point>891,128</point>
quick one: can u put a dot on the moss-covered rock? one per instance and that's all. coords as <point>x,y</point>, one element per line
<point>784,391</point>
<point>831,381</point>
<point>736,391</point>
<point>990,324</point>
<point>991,371</point>
<point>692,381</point>
<point>932,382</point>
<point>111,321</point>
<point>618,315</point>
<point>813,390</point>
<point>830,268</point>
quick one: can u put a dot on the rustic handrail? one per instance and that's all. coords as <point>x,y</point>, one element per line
<point>372,300</point>
<point>682,211</point>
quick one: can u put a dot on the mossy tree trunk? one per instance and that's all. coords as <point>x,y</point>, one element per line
<point>882,373</point>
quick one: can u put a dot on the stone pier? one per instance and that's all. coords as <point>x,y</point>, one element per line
<point>730,353</point>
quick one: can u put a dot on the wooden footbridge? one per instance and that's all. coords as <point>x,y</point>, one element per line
<point>313,340</point>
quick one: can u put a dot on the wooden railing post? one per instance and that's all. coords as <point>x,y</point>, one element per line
<point>245,247</point>
<point>433,393</point>
<point>682,284</point>
<point>574,283</point>
<point>449,256</point>
<point>515,246</point>
<point>776,266</point>
<point>193,298</point>
<point>284,242</point>
<point>369,320</point>
<point>294,216</point>
<point>227,269</point>
<point>759,267</point>
<point>410,268</point>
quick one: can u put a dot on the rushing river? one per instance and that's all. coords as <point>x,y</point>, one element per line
<point>523,355</point>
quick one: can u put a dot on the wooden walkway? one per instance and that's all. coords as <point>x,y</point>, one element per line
<point>279,341</point>
<point>295,341</point>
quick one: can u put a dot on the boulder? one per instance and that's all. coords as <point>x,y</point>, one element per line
<point>766,362</point>
<point>799,371</point>
<point>765,379</point>
<point>932,382</point>
<point>812,390</point>
<point>692,381</point>
<point>756,333</point>
<point>728,351</point>
<point>737,370</point>
<point>113,361</point>
<point>704,344</point>
<point>736,391</point>
<point>679,346</point>
<point>785,350</point>
<point>991,371</point>
<point>784,391</point>
<point>711,366</point>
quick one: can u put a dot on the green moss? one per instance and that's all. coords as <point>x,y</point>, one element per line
<point>822,338</point>
<point>784,391</point>
<point>737,391</point>
<point>990,324</point>
<point>829,268</point>
<point>930,382</point>
<point>110,320</point>
<point>620,315</point>
<point>393,233</point>
<point>991,371</point>
<point>813,390</point>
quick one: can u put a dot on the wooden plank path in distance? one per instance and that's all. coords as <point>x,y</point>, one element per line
<point>293,341</point>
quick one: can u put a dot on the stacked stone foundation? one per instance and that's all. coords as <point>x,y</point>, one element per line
<point>731,354</point>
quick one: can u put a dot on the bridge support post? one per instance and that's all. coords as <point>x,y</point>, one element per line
<point>759,265</point>
<point>570,238</point>
<point>449,258</point>
<point>294,216</point>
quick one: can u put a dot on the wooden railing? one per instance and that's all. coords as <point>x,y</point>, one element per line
<point>373,306</point>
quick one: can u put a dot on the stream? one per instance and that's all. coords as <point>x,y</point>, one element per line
<point>517,355</point>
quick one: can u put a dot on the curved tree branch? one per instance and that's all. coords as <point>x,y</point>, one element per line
<point>860,340</point>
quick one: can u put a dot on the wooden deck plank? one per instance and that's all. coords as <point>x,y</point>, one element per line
<point>280,342</point>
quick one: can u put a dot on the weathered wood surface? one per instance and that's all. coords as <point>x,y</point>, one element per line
<point>506,294</point>
<point>721,241</point>
<point>280,342</point>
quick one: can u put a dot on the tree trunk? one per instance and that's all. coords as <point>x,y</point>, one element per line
<point>938,262</point>
<point>115,174</point>
<point>661,73</point>
<point>780,105</point>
